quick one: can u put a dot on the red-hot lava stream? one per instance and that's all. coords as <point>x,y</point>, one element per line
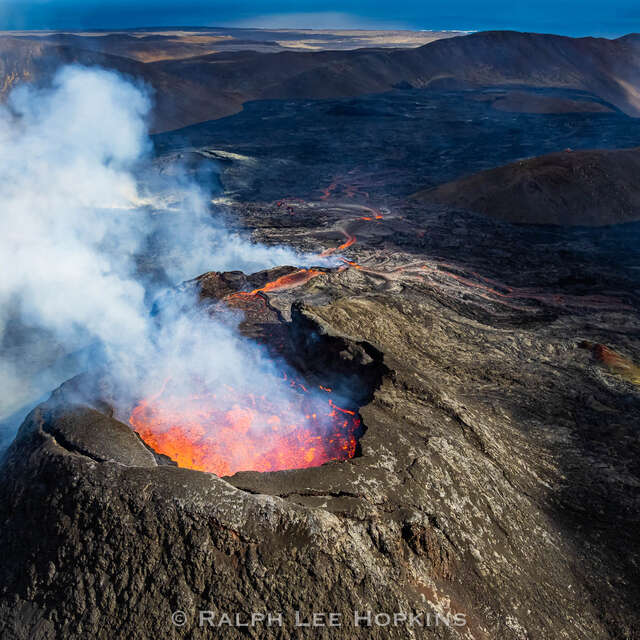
<point>288,281</point>
<point>345,245</point>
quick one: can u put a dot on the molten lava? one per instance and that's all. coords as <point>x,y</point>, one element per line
<point>228,431</point>
<point>375,215</point>
<point>242,299</point>
<point>289,281</point>
<point>348,242</point>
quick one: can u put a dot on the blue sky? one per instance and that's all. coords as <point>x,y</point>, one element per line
<point>570,17</point>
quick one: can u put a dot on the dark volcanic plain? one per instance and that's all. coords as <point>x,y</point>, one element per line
<point>498,475</point>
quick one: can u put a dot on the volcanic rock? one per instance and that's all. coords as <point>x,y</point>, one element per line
<point>530,102</point>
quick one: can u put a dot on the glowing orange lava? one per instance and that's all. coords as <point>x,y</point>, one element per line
<point>288,281</point>
<point>355,265</point>
<point>228,431</point>
<point>375,215</point>
<point>349,241</point>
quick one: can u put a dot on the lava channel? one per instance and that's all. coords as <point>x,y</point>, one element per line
<point>289,281</point>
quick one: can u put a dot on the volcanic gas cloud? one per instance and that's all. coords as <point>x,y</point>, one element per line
<point>83,211</point>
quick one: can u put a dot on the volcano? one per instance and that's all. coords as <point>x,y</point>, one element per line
<point>438,408</point>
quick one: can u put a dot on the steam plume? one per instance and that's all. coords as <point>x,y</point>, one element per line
<point>78,211</point>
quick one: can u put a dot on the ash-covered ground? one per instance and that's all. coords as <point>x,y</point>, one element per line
<point>497,475</point>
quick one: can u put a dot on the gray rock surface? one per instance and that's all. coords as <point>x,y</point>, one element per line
<point>497,479</point>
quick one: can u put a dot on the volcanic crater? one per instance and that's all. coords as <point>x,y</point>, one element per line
<point>325,378</point>
<point>494,449</point>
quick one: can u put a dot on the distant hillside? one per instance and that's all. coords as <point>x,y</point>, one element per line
<point>569,188</point>
<point>178,101</point>
<point>608,68</point>
<point>210,86</point>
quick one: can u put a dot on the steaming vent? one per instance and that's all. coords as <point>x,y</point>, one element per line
<point>308,414</point>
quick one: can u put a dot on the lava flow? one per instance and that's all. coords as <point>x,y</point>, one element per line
<point>348,242</point>
<point>227,431</point>
<point>288,281</point>
<point>488,288</point>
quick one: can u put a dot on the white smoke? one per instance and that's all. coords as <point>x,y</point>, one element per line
<point>65,184</point>
<point>74,219</point>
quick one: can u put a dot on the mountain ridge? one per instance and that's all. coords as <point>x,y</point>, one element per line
<point>199,88</point>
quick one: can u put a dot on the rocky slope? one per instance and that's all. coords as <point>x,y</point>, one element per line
<point>498,475</point>
<point>567,188</point>
<point>177,101</point>
<point>609,69</point>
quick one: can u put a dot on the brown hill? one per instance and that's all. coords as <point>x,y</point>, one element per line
<point>211,86</point>
<point>571,187</point>
<point>608,68</point>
